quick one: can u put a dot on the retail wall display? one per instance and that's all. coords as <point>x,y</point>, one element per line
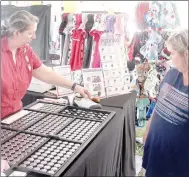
<point>82,48</point>
<point>33,150</point>
<point>64,71</point>
<point>97,40</point>
<point>156,21</point>
<point>114,64</point>
<point>94,81</point>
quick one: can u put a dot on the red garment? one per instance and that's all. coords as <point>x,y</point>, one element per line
<point>77,53</point>
<point>15,78</point>
<point>78,20</point>
<point>96,55</point>
<point>141,10</point>
<point>63,23</point>
<point>131,48</point>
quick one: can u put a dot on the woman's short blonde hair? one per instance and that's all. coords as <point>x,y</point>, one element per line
<point>18,21</point>
<point>179,41</point>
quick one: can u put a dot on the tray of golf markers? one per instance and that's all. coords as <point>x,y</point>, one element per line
<point>45,138</point>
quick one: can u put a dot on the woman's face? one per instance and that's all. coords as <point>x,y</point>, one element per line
<point>178,60</point>
<point>25,37</point>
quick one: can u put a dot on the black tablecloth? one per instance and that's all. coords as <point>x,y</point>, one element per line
<point>127,104</point>
<point>112,153</point>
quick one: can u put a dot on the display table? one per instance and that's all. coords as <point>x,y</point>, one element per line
<point>112,153</point>
<point>127,104</point>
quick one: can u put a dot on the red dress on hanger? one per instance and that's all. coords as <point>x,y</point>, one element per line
<point>77,53</point>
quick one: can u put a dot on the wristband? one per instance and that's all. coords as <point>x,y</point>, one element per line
<point>73,86</point>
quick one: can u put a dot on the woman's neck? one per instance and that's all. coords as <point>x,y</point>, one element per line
<point>13,44</point>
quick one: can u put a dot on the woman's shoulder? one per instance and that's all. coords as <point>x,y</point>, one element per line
<point>172,71</point>
<point>174,78</point>
<point>172,74</point>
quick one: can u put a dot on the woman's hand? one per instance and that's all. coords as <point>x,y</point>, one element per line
<point>4,165</point>
<point>83,92</point>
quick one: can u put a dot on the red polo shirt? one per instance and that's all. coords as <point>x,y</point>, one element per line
<point>15,78</point>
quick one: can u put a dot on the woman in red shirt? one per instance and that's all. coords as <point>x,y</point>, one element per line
<point>19,63</point>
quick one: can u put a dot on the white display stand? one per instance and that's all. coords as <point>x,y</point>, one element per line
<point>94,81</point>
<point>64,71</point>
<point>114,64</point>
<point>77,76</point>
<point>39,86</point>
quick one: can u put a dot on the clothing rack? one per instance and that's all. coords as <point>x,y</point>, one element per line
<point>102,12</point>
<point>94,12</point>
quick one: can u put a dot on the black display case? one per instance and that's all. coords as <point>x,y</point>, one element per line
<point>56,137</point>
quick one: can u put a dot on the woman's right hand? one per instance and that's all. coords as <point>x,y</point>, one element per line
<point>4,165</point>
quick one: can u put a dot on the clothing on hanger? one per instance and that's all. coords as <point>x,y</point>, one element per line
<point>139,39</point>
<point>141,11</point>
<point>88,41</point>
<point>96,32</point>
<point>169,15</point>
<point>119,24</point>
<point>77,53</point>
<point>96,55</point>
<point>63,23</point>
<point>67,41</point>
<point>110,21</point>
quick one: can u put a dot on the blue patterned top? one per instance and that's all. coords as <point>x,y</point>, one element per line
<point>166,152</point>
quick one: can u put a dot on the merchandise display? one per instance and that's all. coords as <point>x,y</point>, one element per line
<point>50,124</point>
<point>64,71</point>
<point>85,103</point>
<point>114,58</point>
<point>155,22</point>
<point>47,107</point>
<point>86,32</point>
<point>39,86</point>
<point>50,157</point>
<point>23,122</point>
<point>93,80</point>
<point>18,147</point>
<point>77,77</point>
<point>6,133</point>
<point>97,115</point>
<point>79,130</point>
<point>113,67</point>
<point>51,142</point>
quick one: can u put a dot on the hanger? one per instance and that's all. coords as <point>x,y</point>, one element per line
<point>94,12</point>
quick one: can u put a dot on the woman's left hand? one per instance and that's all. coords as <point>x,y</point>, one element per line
<point>84,92</point>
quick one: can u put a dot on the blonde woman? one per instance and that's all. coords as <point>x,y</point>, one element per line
<point>166,151</point>
<point>19,63</point>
